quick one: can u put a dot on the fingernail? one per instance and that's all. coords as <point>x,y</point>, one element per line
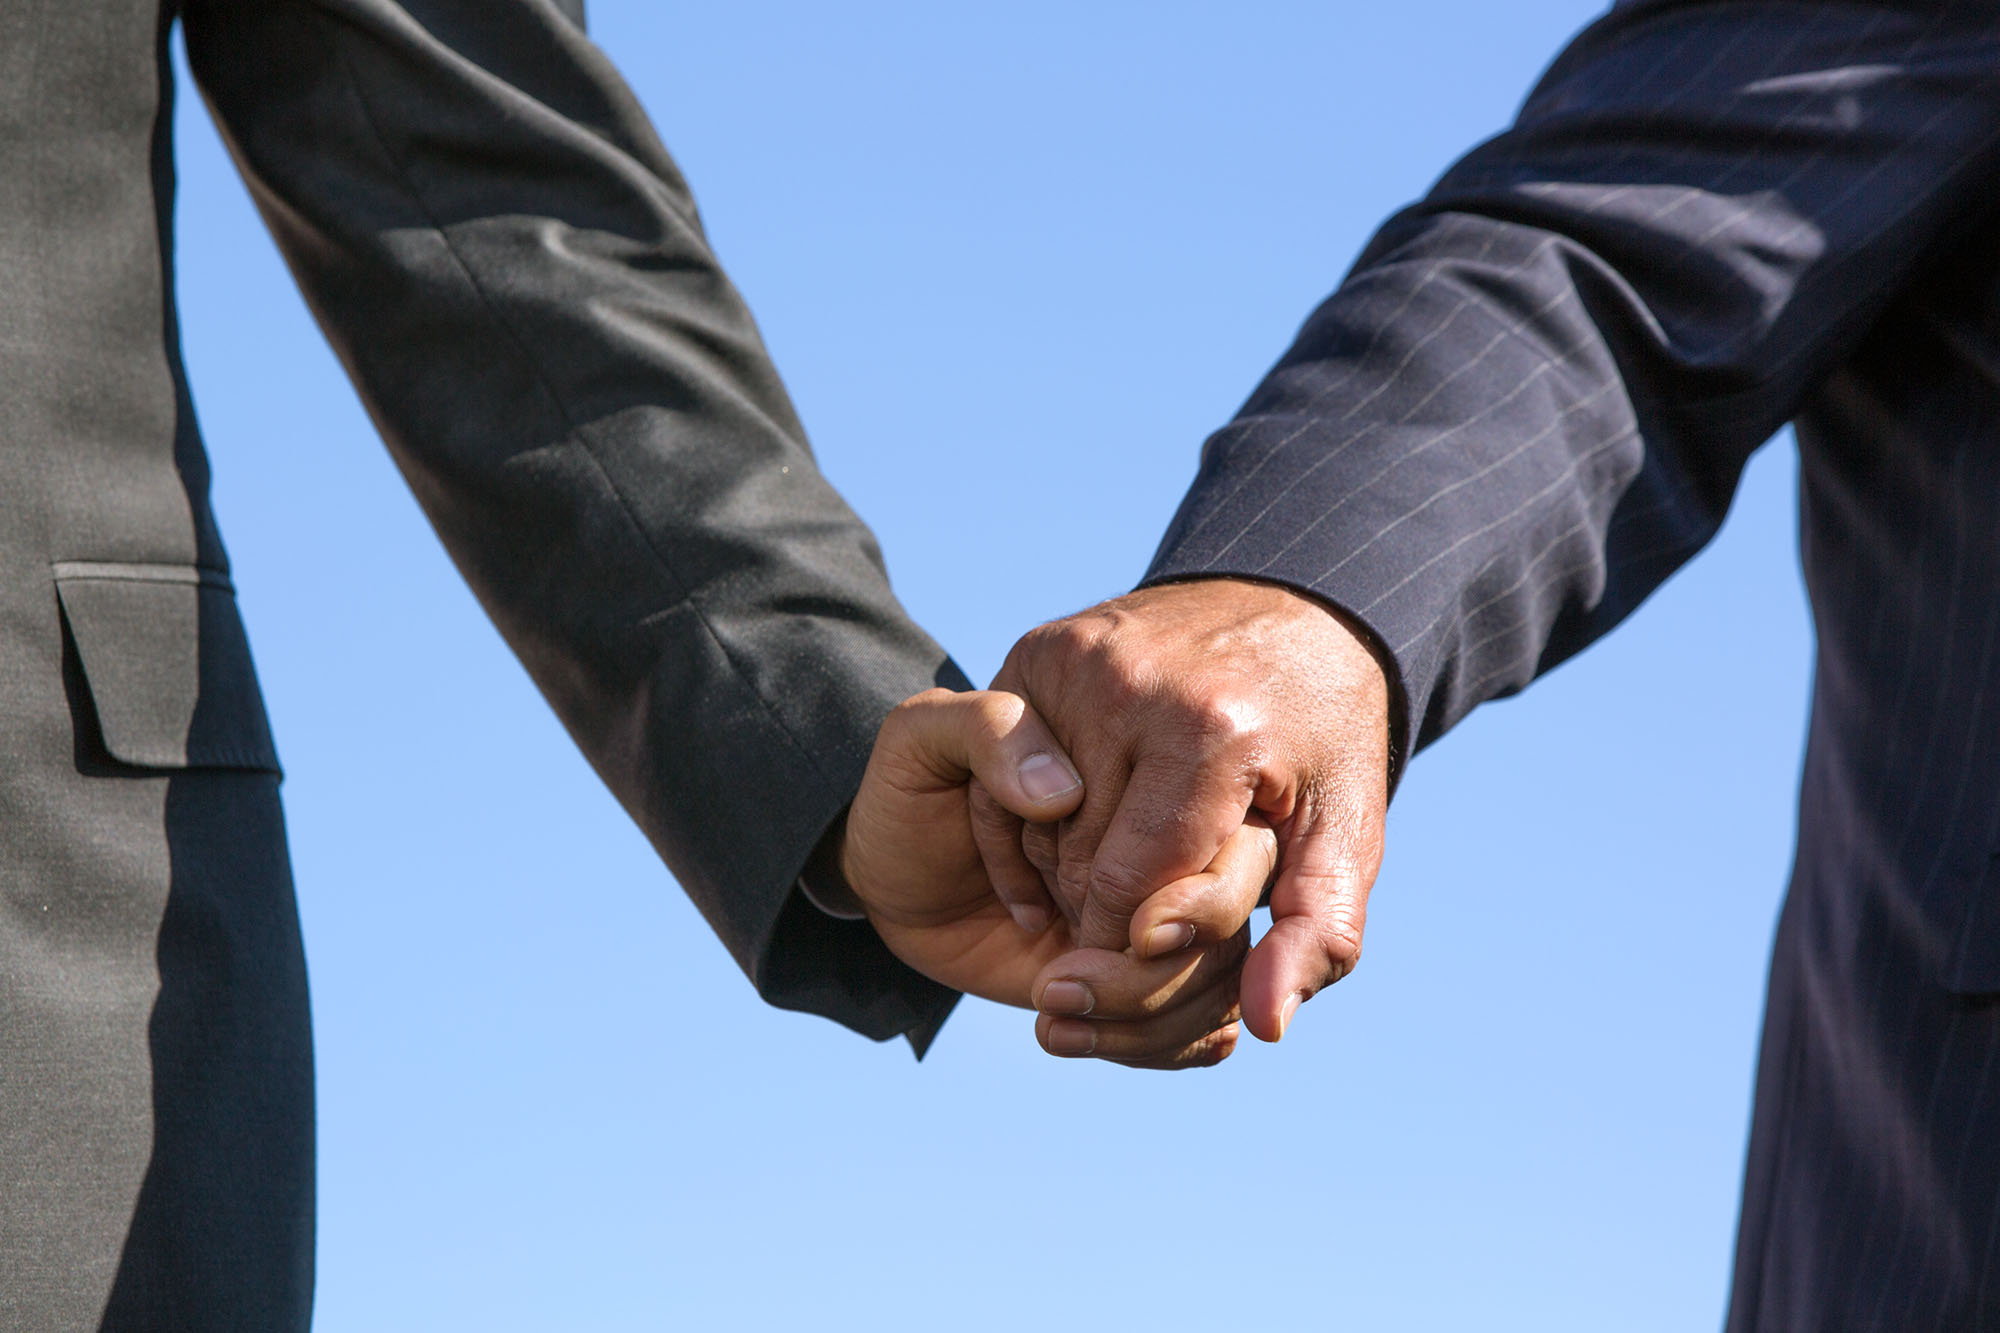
<point>1291,1007</point>
<point>1068,1037</point>
<point>1031,917</point>
<point>1067,997</point>
<point>1045,777</point>
<point>1170,938</point>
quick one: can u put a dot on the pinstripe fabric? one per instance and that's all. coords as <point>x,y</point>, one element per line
<point>1531,401</point>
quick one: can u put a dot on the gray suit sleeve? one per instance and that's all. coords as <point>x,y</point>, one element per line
<point>512,270</point>
<point>1531,399</point>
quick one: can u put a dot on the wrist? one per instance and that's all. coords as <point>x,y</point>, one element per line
<point>824,882</point>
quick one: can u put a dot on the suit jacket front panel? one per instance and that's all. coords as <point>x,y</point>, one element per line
<point>155,1071</point>
<point>108,550</point>
<point>1900,529</point>
<point>89,406</point>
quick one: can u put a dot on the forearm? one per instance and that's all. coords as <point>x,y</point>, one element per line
<point>1532,398</point>
<point>513,272</point>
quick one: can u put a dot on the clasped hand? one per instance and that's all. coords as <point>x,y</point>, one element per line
<point>1089,837</point>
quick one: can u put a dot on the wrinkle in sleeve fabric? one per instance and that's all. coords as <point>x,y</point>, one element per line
<point>513,272</point>
<point>1531,399</point>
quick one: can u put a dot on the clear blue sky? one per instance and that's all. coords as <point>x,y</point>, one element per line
<point>1015,262</point>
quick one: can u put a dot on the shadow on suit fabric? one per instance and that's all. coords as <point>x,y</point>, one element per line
<point>221,1235</point>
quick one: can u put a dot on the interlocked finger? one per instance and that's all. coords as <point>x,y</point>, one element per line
<point>1164,1037</point>
<point>1117,1007</point>
<point>1212,1049</point>
<point>996,832</point>
<point>1213,904</point>
<point>1102,985</point>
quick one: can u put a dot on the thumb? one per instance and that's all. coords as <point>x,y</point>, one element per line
<point>1319,905</point>
<point>941,739</point>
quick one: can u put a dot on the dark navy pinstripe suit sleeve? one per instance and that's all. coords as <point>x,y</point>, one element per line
<point>1531,399</point>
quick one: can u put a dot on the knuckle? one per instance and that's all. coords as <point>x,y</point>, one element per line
<point>1094,650</point>
<point>906,719</point>
<point>932,698</point>
<point>1038,844</point>
<point>1340,937</point>
<point>1117,881</point>
<point>994,714</point>
<point>1122,690</point>
<point>1063,642</point>
<point>1224,718</point>
<point>1073,881</point>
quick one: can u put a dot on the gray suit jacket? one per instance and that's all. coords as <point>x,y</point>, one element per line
<point>1530,402</point>
<point>512,270</point>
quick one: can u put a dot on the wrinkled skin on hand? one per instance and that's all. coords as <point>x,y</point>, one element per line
<point>908,854</point>
<point>1190,708</point>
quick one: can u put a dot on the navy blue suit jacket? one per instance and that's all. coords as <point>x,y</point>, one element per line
<point>1531,401</point>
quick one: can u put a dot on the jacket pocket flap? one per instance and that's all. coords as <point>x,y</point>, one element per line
<point>167,665</point>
